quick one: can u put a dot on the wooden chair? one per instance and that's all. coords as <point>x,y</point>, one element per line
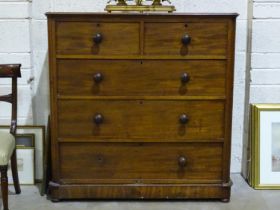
<point>7,140</point>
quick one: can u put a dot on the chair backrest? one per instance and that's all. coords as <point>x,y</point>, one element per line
<point>11,71</point>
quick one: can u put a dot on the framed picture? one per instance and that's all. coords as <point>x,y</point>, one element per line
<point>265,146</point>
<point>25,140</point>
<point>25,163</point>
<point>39,142</point>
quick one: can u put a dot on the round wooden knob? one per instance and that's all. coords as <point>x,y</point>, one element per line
<point>97,38</point>
<point>182,161</point>
<point>185,78</point>
<point>184,119</point>
<point>98,119</point>
<point>98,77</point>
<point>186,39</point>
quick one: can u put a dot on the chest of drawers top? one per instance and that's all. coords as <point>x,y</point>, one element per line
<point>142,35</point>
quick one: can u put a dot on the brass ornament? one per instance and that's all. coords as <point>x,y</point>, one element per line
<point>139,6</point>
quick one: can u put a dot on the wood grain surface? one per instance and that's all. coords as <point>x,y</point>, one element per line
<point>165,38</point>
<point>122,136</point>
<point>77,38</point>
<point>141,119</point>
<point>139,162</point>
<point>141,78</point>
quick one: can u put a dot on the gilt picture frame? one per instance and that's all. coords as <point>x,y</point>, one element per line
<point>39,133</point>
<point>25,140</point>
<point>265,146</point>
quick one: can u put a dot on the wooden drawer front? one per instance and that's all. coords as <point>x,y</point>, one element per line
<point>140,161</point>
<point>117,38</point>
<point>166,38</point>
<point>136,77</point>
<point>136,119</point>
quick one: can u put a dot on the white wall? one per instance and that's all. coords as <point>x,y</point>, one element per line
<point>15,48</point>
<point>37,27</point>
<point>263,60</point>
<point>265,68</point>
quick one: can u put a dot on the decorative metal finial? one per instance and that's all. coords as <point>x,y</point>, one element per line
<point>140,6</point>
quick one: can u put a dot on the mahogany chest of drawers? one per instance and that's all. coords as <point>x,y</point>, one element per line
<point>141,105</point>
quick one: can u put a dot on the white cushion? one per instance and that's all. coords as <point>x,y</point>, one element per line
<point>7,146</point>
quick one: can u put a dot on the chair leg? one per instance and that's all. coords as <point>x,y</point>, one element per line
<point>4,186</point>
<point>15,172</point>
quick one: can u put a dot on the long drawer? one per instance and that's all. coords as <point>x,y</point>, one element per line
<point>140,119</point>
<point>140,162</point>
<point>141,77</point>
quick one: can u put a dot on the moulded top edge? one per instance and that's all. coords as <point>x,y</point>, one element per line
<point>49,14</point>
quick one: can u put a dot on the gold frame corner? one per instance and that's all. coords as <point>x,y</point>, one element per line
<point>254,133</point>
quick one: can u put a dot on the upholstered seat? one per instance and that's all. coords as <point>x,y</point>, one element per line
<point>7,146</point>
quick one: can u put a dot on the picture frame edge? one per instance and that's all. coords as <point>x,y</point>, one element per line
<point>256,109</point>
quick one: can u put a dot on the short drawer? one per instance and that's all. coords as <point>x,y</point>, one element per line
<point>141,119</point>
<point>141,77</point>
<point>140,162</point>
<point>193,38</point>
<point>88,38</point>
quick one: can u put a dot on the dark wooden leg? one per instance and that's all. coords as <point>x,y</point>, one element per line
<point>15,172</point>
<point>4,186</point>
